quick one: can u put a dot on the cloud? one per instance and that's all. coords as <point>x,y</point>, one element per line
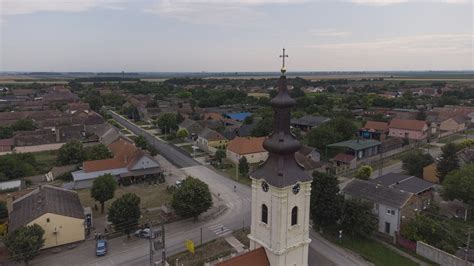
<point>215,12</point>
<point>328,33</point>
<point>459,43</point>
<point>18,7</point>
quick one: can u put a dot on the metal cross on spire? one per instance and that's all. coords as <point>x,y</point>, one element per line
<point>283,69</point>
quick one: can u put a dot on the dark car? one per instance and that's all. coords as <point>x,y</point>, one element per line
<point>101,247</point>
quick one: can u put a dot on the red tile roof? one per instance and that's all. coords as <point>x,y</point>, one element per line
<point>342,157</point>
<point>246,145</point>
<point>379,126</point>
<point>409,124</point>
<point>256,257</point>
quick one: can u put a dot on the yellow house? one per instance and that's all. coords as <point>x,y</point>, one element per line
<point>210,140</point>
<point>58,211</point>
<point>429,173</point>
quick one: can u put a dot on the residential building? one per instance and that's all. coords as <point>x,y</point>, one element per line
<point>240,117</point>
<point>6,145</point>
<point>58,211</point>
<point>13,185</point>
<point>392,206</point>
<point>129,162</point>
<point>408,128</point>
<point>374,130</point>
<point>360,148</point>
<point>308,122</point>
<point>193,127</point>
<point>248,147</point>
<point>453,125</point>
<point>210,140</point>
<point>412,184</point>
<point>310,159</point>
<point>343,162</point>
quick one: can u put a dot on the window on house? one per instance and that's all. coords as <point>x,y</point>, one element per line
<point>264,214</point>
<point>390,212</point>
<point>294,216</point>
<point>47,220</point>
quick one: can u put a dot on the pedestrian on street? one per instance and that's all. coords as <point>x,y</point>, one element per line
<point>99,236</point>
<point>95,235</point>
<point>340,236</point>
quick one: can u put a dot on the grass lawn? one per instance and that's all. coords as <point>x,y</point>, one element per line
<point>241,235</point>
<point>125,131</point>
<point>371,250</point>
<point>142,123</point>
<point>230,172</point>
<point>45,161</point>
<point>207,252</point>
<point>150,195</point>
<point>450,138</point>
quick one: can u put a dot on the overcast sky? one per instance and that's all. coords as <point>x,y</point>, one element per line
<point>235,35</point>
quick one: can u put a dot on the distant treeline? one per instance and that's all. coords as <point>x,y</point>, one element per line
<point>104,79</point>
<point>297,82</point>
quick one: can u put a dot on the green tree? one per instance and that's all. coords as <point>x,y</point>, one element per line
<point>6,132</point>
<point>364,172</point>
<point>326,202</point>
<point>167,122</point>
<point>141,142</point>
<point>220,154</point>
<point>357,218</point>
<point>243,166</point>
<point>414,161</point>
<point>124,213</point>
<point>182,133</point>
<point>153,151</point>
<point>25,242</point>
<point>248,120</point>
<point>191,198</point>
<point>459,184</point>
<point>336,130</point>
<point>263,127</point>
<point>24,125</point>
<point>449,161</point>
<point>98,152</point>
<point>3,210</point>
<point>103,189</point>
<point>71,153</point>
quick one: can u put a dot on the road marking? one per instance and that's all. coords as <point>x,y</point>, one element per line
<point>219,229</point>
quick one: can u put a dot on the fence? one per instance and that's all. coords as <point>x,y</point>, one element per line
<point>439,256</point>
<point>408,244</point>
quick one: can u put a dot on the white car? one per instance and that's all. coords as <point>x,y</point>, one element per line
<point>143,233</point>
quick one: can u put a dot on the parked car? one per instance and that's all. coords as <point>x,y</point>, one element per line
<point>144,233</point>
<point>101,247</point>
<point>178,183</point>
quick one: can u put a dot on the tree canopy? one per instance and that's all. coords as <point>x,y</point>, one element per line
<point>167,122</point>
<point>449,161</point>
<point>326,202</point>
<point>358,219</point>
<point>364,172</point>
<point>98,152</point>
<point>459,184</point>
<point>25,242</point>
<point>336,130</point>
<point>414,161</point>
<point>191,198</point>
<point>243,166</point>
<point>124,213</point>
<point>103,189</point>
<point>141,142</point>
<point>17,165</point>
<point>71,153</point>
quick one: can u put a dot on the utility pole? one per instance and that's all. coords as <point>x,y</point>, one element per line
<point>201,236</point>
<point>467,247</point>
<point>163,253</point>
<point>152,236</point>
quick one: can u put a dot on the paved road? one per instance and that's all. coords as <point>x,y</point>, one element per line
<point>171,153</point>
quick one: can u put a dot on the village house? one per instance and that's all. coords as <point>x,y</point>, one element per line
<point>392,206</point>
<point>412,184</point>
<point>374,130</point>
<point>248,147</point>
<point>193,127</point>
<point>465,156</point>
<point>129,162</point>
<point>360,148</point>
<point>453,125</point>
<point>6,145</point>
<point>210,140</point>
<point>310,159</point>
<point>308,122</point>
<point>408,128</point>
<point>58,211</point>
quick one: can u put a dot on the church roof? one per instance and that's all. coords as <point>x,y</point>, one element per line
<point>256,257</point>
<point>281,169</point>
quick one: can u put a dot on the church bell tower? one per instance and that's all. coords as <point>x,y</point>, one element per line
<point>281,191</point>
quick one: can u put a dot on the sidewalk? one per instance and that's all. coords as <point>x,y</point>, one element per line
<point>235,243</point>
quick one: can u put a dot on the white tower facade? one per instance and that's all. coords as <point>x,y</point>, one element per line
<point>281,191</point>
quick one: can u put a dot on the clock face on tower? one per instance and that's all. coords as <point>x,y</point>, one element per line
<point>296,189</point>
<point>265,186</point>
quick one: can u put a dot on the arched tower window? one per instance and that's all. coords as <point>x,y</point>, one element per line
<point>294,216</point>
<point>264,214</point>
